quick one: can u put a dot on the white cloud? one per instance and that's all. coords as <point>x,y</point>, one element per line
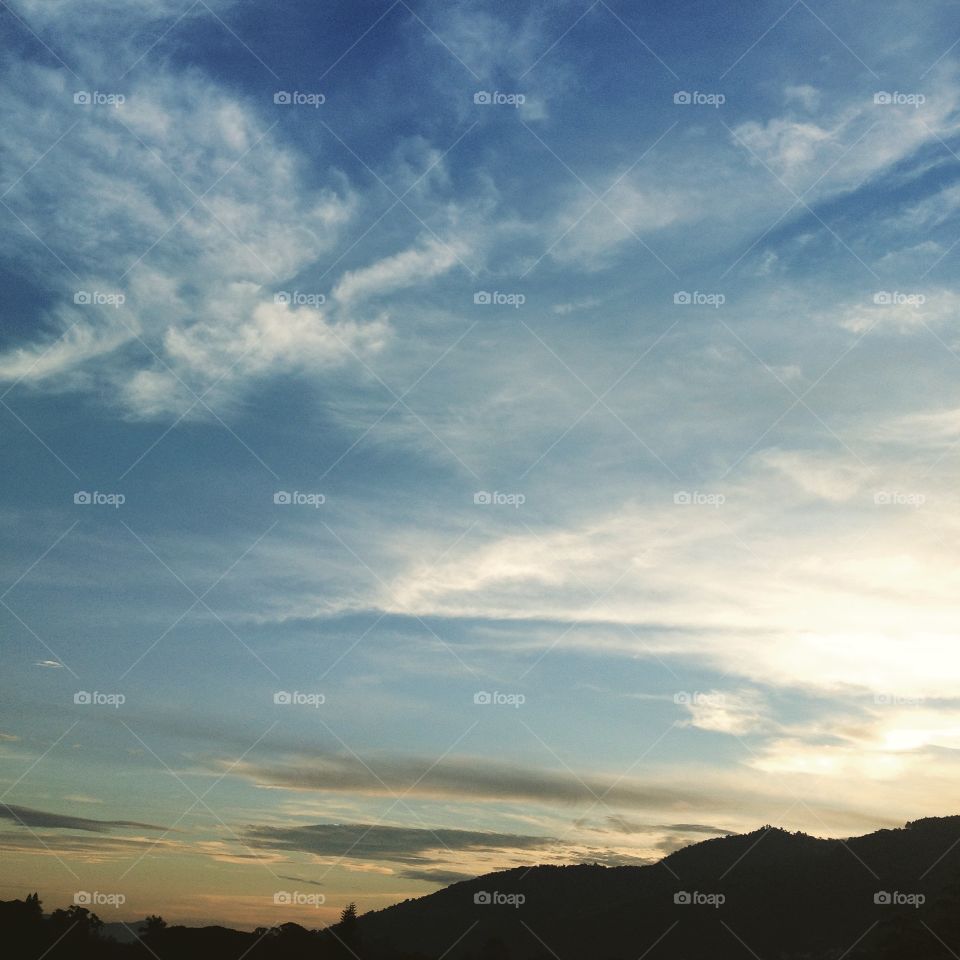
<point>891,741</point>
<point>905,311</point>
<point>935,428</point>
<point>102,16</point>
<point>62,355</point>
<point>804,94</point>
<point>852,140</point>
<point>591,228</point>
<point>828,760</point>
<point>183,202</point>
<point>817,474</point>
<point>863,605</point>
<point>786,145</point>
<point>272,336</point>
<point>430,258</point>
<point>735,712</point>
<point>575,306</point>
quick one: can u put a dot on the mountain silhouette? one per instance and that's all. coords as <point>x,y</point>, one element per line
<point>784,895</point>
<point>769,894</point>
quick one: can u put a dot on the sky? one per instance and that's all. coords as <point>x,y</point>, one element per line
<point>443,436</point>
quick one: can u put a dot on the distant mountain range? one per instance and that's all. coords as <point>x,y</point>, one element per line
<point>766,895</point>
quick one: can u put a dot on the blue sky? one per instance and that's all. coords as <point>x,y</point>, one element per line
<point>680,497</point>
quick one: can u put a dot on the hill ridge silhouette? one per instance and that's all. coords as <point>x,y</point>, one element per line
<point>785,895</point>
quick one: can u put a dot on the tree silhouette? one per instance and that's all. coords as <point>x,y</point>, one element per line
<point>152,928</point>
<point>75,928</point>
<point>33,909</point>
<point>346,930</point>
<point>793,896</point>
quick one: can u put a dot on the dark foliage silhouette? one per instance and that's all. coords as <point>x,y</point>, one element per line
<point>890,895</point>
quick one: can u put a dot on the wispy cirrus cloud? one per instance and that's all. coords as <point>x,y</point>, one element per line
<point>465,778</point>
<point>30,817</point>
<point>752,504</point>
<point>168,274</point>
<point>363,841</point>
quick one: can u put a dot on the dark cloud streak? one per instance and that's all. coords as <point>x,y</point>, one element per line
<point>471,778</point>
<point>30,817</point>
<point>361,841</point>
